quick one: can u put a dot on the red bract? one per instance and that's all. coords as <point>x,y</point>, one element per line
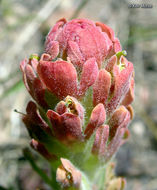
<point>81,39</point>
<point>113,84</point>
<point>117,133</point>
<point>33,84</point>
<point>67,175</point>
<point>130,94</point>
<point>101,138</point>
<point>36,126</point>
<point>42,150</point>
<point>61,77</point>
<point>110,137</point>
<point>67,123</point>
<point>97,118</point>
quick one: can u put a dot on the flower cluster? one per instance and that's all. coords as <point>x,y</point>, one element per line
<point>83,87</point>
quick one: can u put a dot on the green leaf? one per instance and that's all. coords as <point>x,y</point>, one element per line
<point>51,99</point>
<point>32,56</point>
<point>120,53</point>
<point>3,188</point>
<point>87,102</point>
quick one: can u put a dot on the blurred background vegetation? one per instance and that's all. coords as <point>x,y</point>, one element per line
<point>24,25</point>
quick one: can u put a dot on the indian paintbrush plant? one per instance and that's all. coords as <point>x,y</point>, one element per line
<point>82,87</point>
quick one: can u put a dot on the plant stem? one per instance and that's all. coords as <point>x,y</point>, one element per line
<point>40,172</point>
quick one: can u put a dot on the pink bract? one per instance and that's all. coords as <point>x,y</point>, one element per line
<point>80,40</point>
